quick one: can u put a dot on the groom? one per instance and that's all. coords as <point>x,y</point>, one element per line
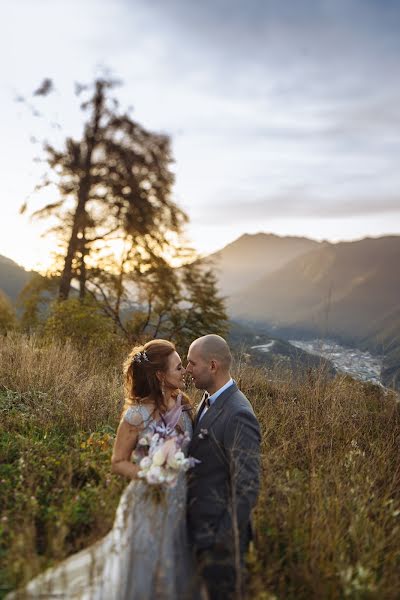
<point>223,487</point>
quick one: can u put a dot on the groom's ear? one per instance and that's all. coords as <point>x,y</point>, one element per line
<point>213,365</point>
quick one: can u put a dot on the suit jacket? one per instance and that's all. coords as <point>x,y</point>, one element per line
<point>223,487</point>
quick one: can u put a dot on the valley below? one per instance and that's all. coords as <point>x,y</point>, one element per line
<point>361,365</point>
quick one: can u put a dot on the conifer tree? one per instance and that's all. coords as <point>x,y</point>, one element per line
<point>118,178</point>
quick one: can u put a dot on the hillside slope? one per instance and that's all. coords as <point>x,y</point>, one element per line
<point>343,289</point>
<point>251,257</point>
<point>13,277</point>
<point>349,291</point>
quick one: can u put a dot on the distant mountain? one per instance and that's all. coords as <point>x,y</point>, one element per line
<point>349,291</point>
<point>342,289</point>
<point>13,277</point>
<point>251,257</point>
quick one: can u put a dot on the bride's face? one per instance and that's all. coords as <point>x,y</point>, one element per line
<point>175,372</point>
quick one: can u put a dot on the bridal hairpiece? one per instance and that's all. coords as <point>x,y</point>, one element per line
<point>140,357</point>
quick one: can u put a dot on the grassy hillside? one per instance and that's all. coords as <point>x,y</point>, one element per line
<point>384,338</point>
<point>328,516</point>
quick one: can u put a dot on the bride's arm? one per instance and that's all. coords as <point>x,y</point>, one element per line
<point>125,443</point>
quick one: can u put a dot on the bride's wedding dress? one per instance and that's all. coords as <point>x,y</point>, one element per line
<point>144,557</point>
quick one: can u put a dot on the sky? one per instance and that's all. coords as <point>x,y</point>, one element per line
<point>284,115</point>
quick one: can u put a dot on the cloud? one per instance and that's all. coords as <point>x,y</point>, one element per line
<point>285,108</point>
<point>319,43</point>
<point>298,203</point>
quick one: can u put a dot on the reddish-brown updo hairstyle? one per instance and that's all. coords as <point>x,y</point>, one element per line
<point>140,368</point>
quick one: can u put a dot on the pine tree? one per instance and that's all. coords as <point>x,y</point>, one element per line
<point>118,176</point>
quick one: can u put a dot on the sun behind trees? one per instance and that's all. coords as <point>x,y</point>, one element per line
<point>119,231</point>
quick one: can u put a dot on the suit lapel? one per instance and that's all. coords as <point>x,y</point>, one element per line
<point>199,411</point>
<point>214,411</point>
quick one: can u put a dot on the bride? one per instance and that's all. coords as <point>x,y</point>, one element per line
<point>145,555</point>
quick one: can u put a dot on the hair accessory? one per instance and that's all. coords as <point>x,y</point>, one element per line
<point>140,357</point>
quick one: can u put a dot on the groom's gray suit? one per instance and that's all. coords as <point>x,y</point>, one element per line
<point>223,487</point>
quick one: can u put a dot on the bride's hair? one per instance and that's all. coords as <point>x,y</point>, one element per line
<point>140,368</point>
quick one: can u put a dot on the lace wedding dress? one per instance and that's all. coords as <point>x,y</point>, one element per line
<point>144,557</point>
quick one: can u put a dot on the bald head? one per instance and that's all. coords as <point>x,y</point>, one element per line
<point>214,347</point>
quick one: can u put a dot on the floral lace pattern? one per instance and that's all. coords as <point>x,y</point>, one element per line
<point>144,557</point>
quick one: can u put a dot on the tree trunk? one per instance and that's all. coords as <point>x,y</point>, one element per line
<point>82,269</point>
<point>79,222</point>
<point>120,281</point>
<point>73,245</point>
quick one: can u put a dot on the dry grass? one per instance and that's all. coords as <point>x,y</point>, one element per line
<point>57,382</point>
<point>328,516</point>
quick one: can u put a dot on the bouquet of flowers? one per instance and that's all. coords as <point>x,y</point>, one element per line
<point>161,457</point>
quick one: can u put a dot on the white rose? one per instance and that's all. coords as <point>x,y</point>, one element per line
<point>153,475</point>
<point>151,478</point>
<point>179,456</point>
<point>143,442</point>
<point>145,463</point>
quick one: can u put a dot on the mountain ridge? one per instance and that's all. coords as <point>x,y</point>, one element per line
<point>240,262</point>
<point>347,291</point>
<point>335,275</point>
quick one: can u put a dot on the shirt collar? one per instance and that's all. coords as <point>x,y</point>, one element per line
<point>215,395</point>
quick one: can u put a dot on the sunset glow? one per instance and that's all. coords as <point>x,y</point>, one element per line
<point>281,133</point>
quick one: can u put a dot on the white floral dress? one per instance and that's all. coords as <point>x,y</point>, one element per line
<point>144,557</point>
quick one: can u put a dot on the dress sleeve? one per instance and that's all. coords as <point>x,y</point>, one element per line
<point>136,415</point>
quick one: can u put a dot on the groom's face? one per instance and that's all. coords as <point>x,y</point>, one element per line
<point>199,368</point>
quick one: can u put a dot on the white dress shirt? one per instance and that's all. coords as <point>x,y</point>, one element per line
<point>215,395</point>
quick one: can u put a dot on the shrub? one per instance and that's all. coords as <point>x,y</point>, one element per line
<point>82,323</point>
